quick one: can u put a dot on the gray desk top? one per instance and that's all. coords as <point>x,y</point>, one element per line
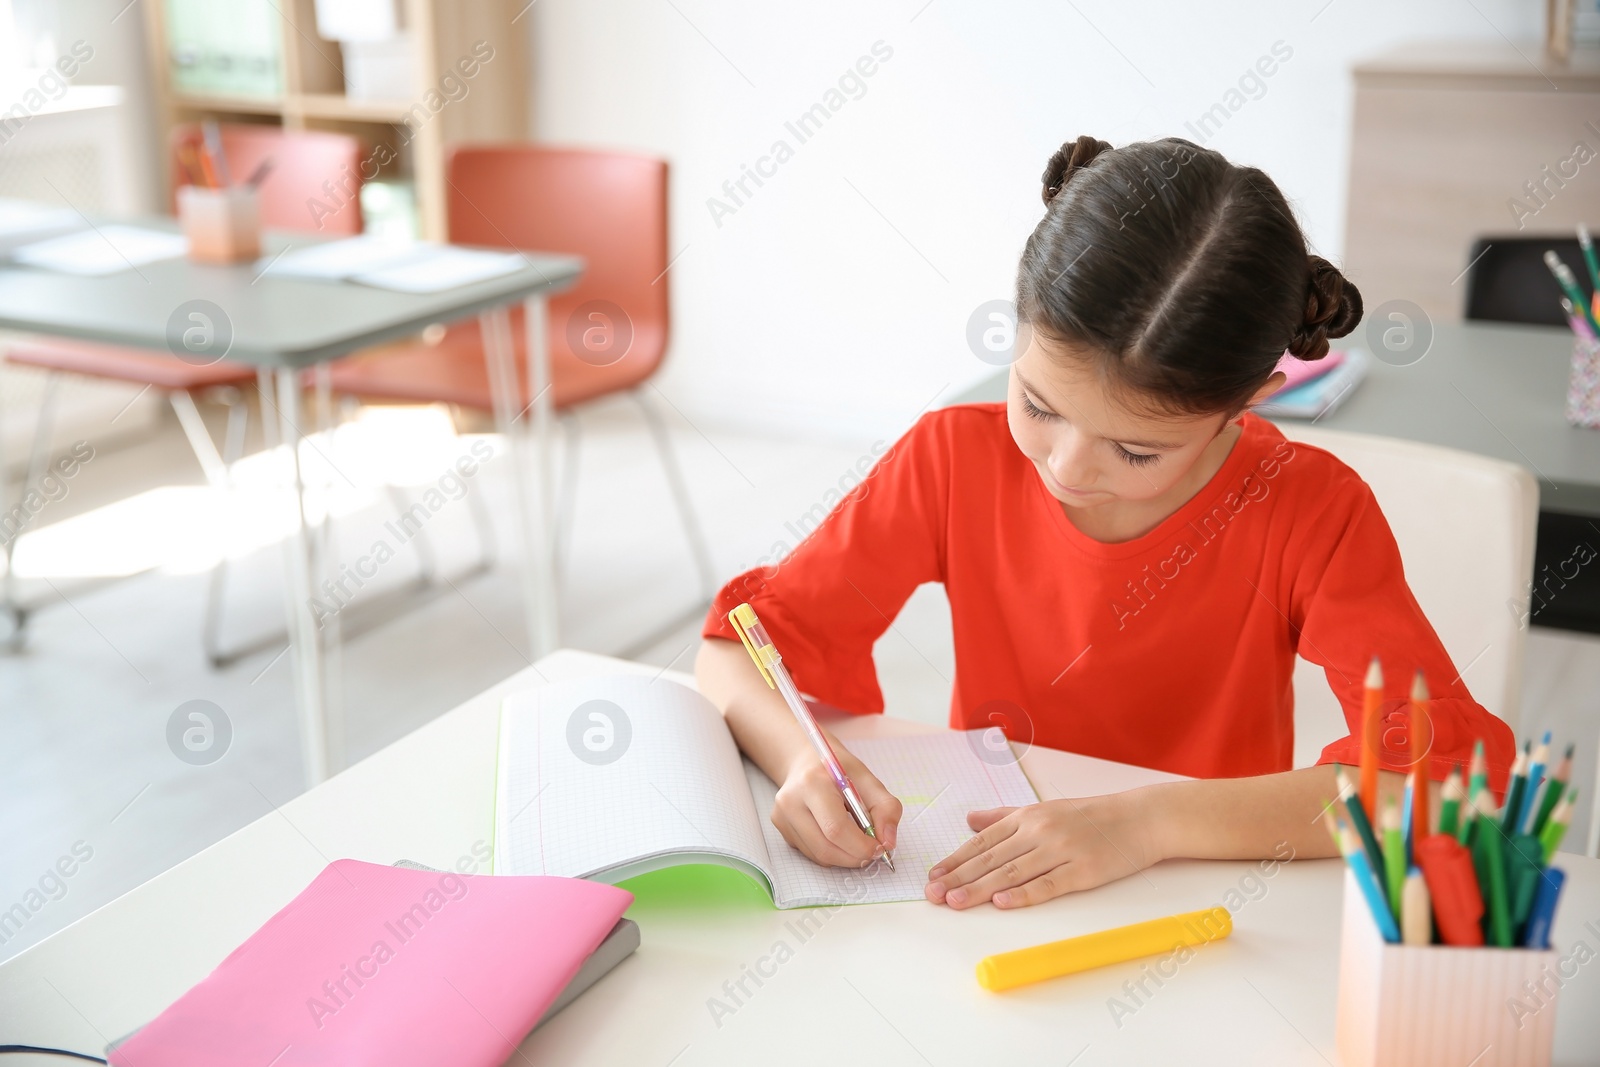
<point>1491,389</point>
<point>276,322</point>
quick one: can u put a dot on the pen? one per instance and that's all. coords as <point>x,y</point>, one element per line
<point>770,664</point>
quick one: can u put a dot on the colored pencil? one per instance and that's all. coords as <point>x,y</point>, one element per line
<point>1405,819</point>
<point>1477,782</point>
<point>1372,709</point>
<point>1553,790</point>
<point>1569,284</point>
<point>1536,769</point>
<point>1367,880</point>
<point>1492,861</point>
<point>1554,830</point>
<point>1586,246</point>
<point>1416,913</point>
<point>1452,795</point>
<point>1421,761</point>
<point>1394,855</point>
<point>1518,786</point>
<point>1358,819</point>
<point>1537,935</point>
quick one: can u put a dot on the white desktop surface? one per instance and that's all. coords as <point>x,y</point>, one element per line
<point>883,984</point>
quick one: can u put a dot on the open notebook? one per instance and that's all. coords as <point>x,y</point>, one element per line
<point>611,777</point>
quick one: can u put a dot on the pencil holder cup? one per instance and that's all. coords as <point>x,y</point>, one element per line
<point>1440,1005</point>
<point>1583,386</point>
<point>222,225</point>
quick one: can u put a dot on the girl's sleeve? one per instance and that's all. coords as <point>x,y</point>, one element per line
<point>1350,601</point>
<point>834,595</point>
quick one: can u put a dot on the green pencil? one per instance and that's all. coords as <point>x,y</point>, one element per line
<point>1553,790</point>
<point>1358,819</point>
<point>1556,828</point>
<point>1519,784</point>
<point>1497,906</point>
<point>1477,782</point>
<point>1587,247</point>
<point>1394,855</point>
<point>1450,810</point>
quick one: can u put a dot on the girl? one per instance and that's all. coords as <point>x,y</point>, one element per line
<point>1132,559</point>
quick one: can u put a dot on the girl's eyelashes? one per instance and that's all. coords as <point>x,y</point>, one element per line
<point>1137,459</point>
<point>1032,410</point>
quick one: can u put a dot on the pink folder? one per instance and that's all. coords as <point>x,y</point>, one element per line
<point>384,965</point>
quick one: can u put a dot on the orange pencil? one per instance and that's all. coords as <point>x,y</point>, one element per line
<point>1371,727</point>
<point>1421,744</point>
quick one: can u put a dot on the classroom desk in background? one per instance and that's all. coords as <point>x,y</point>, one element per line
<point>284,325</point>
<point>1495,390</point>
<point>890,983</point>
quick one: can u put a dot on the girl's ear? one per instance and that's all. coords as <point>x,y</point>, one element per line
<point>1268,387</point>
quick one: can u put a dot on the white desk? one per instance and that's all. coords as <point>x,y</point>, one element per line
<point>892,983</point>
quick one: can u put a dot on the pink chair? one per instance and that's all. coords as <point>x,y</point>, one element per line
<point>608,334</point>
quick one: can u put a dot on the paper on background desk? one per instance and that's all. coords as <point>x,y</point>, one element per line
<point>939,777</point>
<point>442,267</point>
<point>403,266</point>
<point>105,250</point>
<point>23,218</point>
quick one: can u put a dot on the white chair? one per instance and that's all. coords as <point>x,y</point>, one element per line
<point>1465,527</point>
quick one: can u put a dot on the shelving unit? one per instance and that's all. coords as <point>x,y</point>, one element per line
<point>415,133</point>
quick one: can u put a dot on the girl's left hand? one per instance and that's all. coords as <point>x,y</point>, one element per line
<point>1021,856</point>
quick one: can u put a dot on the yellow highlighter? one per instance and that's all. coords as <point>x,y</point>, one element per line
<point>1026,965</point>
<point>770,664</point>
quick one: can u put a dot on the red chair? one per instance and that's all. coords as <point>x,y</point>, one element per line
<point>608,334</point>
<point>306,166</point>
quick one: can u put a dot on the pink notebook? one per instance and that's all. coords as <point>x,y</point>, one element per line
<point>383,965</point>
<point>1299,371</point>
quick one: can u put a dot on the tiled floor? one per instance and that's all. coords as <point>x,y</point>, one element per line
<point>84,707</point>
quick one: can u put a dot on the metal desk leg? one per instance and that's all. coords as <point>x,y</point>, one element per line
<point>542,621</point>
<point>280,404</point>
<point>527,471</point>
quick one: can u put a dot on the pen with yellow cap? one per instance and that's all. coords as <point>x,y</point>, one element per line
<point>770,664</point>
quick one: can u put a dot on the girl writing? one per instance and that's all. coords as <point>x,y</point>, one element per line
<point>1133,560</point>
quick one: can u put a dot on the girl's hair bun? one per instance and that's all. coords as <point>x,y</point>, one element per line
<point>1070,157</point>
<point>1333,307</point>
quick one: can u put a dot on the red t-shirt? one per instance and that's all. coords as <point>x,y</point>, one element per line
<point>1175,650</point>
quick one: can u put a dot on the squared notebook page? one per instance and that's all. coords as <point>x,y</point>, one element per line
<point>939,777</point>
<point>618,771</point>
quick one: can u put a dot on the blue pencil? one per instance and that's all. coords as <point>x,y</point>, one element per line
<point>1541,756</point>
<point>1405,819</point>
<point>1544,908</point>
<point>1377,903</point>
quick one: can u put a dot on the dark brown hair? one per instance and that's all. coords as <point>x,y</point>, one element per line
<point>1185,275</point>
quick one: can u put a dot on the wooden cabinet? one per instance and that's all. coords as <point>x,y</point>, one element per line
<point>1453,141</point>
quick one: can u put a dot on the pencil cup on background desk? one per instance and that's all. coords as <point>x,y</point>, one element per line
<point>1583,385</point>
<point>1441,1005</point>
<point>222,225</point>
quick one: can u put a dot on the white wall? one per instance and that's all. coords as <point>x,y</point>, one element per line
<point>835,300</point>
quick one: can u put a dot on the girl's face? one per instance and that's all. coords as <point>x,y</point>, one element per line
<point>1088,448</point>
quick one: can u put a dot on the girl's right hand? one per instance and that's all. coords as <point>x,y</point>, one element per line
<point>811,814</point>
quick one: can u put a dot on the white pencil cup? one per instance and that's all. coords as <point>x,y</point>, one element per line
<point>222,225</point>
<point>1583,384</point>
<point>1440,1005</point>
